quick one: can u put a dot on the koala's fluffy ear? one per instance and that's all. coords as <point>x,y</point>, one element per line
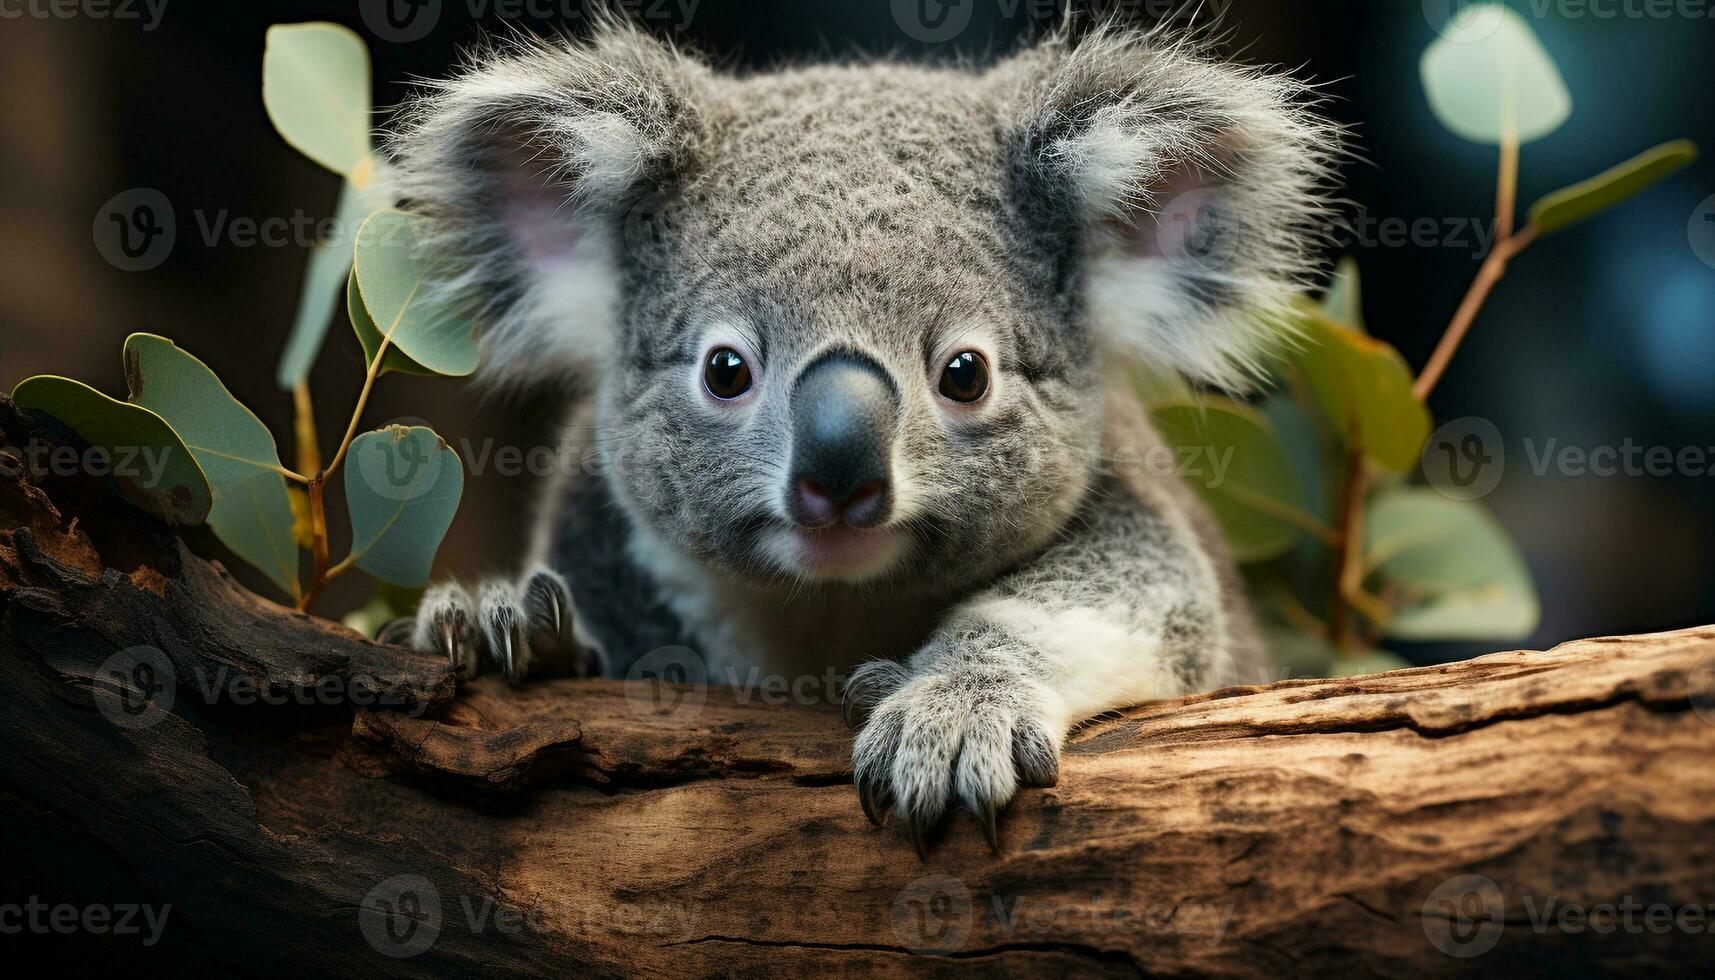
<point>1197,186</point>
<point>527,161</point>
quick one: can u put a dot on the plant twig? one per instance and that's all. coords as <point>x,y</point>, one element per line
<point>362,403</point>
<point>304,431</point>
<point>1507,246</point>
<point>319,547</point>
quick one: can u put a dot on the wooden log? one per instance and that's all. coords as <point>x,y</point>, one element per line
<point>282,795</point>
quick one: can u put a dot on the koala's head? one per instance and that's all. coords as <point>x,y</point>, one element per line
<point>853,322</point>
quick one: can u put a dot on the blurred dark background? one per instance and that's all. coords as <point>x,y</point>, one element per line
<point>1599,336</point>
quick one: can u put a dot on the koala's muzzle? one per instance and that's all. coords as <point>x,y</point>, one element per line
<point>843,412</point>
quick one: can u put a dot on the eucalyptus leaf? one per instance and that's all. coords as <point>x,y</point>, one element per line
<point>254,519</point>
<point>393,278</point>
<point>369,337</point>
<point>324,284</point>
<point>402,486</point>
<point>315,85</point>
<point>1344,301</point>
<point>1241,471</point>
<point>1155,387</point>
<point>1298,654</point>
<point>151,462</point>
<point>386,604</point>
<point>1487,74</point>
<point>1365,388</point>
<point>252,512</point>
<point>1449,566</point>
<point>1580,201</point>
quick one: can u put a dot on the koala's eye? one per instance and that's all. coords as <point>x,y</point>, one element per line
<point>966,378</point>
<point>726,375</point>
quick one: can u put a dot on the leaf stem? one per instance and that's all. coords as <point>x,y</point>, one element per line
<point>318,518</point>
<point>319,550</point>
<point>1349,594</point>
<point>362,403</point>
<point>1507,246</point>
<point>304,430</point>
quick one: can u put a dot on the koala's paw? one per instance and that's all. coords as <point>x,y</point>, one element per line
<point>964,734</point>
<point>512,626</point>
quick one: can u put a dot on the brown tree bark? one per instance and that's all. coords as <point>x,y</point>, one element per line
<point>308,802</point>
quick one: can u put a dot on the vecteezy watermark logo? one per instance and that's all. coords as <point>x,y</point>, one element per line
<point>400,21</point>
<point>1464,459</point>
<point>122,919</point>
<point>1462,917</point>
<point>147,12</point>
<point>134,231</point>
<point>1463,21</point>
<point>401,917</point>
<point>1701,231</point>
<point>933,21</point>
<point>135,687</point>
<point>401,468</point>
<point>932,916</point>
<point>1190,225</point>
<point>671,682</point>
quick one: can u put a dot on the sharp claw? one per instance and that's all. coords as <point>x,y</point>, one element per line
<point>516,643</point>
<point>449,644</point>
<point>990,830</point>
<point>848,707</point>
<point>866,796</point>
<point>914,827</point>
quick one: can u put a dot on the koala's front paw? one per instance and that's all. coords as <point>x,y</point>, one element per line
<point>512,626</point>
<point>968,732</point>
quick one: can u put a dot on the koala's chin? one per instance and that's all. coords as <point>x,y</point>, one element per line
<point>869,330</point>
<point>839,553</point>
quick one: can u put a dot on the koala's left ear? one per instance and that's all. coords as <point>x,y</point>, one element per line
<point>1197,188</point>
<point>527,162</point>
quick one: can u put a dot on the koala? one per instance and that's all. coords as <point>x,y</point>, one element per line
<point>852,343</point>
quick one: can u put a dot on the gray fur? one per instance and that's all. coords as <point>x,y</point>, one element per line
<point>609,210</point>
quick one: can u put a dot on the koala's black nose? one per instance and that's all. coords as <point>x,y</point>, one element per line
<point>843,412</point>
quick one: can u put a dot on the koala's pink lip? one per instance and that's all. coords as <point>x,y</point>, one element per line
<point>840,550</point>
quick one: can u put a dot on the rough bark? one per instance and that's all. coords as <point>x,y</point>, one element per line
<point>607,828</point>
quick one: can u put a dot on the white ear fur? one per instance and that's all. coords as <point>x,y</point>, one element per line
<point>1202,188</point>
<point>527,160</point>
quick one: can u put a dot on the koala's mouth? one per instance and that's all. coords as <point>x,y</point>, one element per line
<point>839,552</point>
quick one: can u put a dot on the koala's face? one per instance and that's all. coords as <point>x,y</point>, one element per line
<point>851,324</point>
<point>845,353</point>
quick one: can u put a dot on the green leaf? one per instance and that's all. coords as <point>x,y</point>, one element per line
<point>403,487</point>
<point>315,85</point>
<point>152,463</point>
<point>1344,301</point>
<point>1571,205</point>
<point>1299,654</point>
<point>1241,471</point>
<point>1156,387</point>
<point>252,513</point>
<point>386,603</point>
<point>1450,566</point>
<point>1368,662</point>
<point>369,337</point>
<point>324,285</point>
<point>1364,388</point>
<point>254,519</point>
<point>393,279</point>
<point>1487,74</point>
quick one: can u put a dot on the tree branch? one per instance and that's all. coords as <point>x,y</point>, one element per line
<point>605,828</point>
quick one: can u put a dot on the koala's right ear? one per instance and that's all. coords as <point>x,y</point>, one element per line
<point>527,161</point>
